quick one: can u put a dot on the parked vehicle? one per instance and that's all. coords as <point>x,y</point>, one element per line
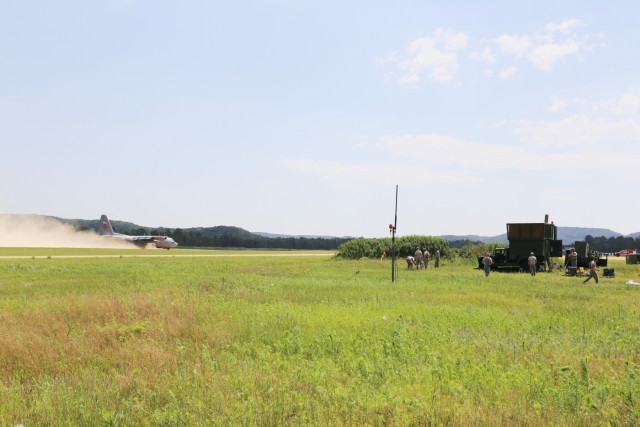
<point>524,239</point>
<point>626,252</point>
<point>585,254</point>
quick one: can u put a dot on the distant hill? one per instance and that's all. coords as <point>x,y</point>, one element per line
<point>217,236</point>
<point>296,236</point>
<point>568,235</point>
<point>221,231</point>
<point>131,228</point>
<point>475,238</point>
<point>92,224</point>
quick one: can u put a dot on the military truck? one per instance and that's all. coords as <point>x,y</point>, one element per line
<point>633,259</point>
<point>525,238</point>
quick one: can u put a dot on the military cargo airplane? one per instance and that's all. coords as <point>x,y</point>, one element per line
<point>163,242</point>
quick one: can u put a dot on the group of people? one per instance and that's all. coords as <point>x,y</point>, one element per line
<point>532,261</point>
<point>571,258</point>
<point>420,259</point>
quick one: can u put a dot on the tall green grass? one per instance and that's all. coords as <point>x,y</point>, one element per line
<point>266,340</point>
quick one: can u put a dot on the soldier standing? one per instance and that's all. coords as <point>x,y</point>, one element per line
<point>573,258</point>
<point>425,257</point>
<point>532,264</point>
<point>418,258</point>
<point>487,262</point>
<point>436,264</point>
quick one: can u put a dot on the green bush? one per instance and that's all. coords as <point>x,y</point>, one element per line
<point>405,246</point>
<point>473,251</point>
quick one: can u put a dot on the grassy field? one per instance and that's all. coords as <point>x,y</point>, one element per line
<point>183,338</point>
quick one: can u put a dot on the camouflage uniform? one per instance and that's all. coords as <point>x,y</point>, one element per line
<point>487,262</point>
<point>573,258</point>
<point>418,258</point>
<point>593,272</point>
<point>532,264</point>
<point>410,261</point>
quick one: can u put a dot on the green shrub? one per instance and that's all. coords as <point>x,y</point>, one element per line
<point>404,246</point>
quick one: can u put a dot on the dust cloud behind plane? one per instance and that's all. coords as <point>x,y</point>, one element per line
<point>33,231</point>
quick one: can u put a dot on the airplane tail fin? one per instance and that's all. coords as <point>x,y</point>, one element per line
<point>105,228</point>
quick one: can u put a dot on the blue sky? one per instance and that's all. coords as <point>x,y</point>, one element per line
<point>301,117</point>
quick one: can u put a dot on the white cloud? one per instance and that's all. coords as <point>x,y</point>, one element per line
<point>475,159</point>
<point>547,55</point>
<point>354,176</point>
<point>545,50</point>
<point>576,143</point>
<point>435,57</point>
<point>452,40</point>
<point>559,105</point>
<point>453,154</point>
<point>579,132</point>
<point>514,45</point>
<point>627,105</point>
<point>507,73</point>
<point>486,55</point>
<point>427,58</point>
<point>564,27</point>
<point>389,57</point>
<point>604,135</point>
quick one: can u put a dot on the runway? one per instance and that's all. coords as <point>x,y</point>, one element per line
<point>235,255</point>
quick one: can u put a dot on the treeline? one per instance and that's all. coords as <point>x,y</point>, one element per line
<point>458,244</point>
<point>612,244</point>
<point>221,237</point>
<point>358,248</point>
<point>457,251</point>
<point>198,239</point>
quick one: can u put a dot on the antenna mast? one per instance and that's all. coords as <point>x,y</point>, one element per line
<point>392,228</point>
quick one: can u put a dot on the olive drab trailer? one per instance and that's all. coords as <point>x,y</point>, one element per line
<point>541,239</point>
<point>586,254</point>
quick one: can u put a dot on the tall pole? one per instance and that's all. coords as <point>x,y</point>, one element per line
<point>393,241</point>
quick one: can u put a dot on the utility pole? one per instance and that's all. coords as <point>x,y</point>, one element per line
<point>392,229</point>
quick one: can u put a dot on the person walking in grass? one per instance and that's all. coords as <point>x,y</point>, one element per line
<point>425,257</point>
<point>436,263</point>
<point>487,262</point>
<point>593,271</point>
<point>532,264</point>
